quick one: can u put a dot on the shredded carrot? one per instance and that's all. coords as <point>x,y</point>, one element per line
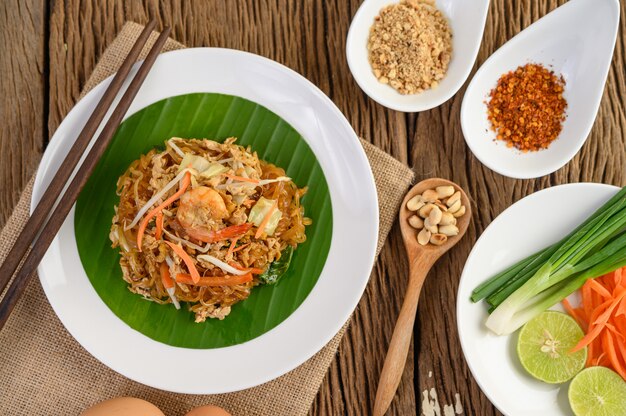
<point>575,313</point>
<point>586,295</point>
<point>195,276</point>
<point>618,276</point>
<point>159,225</point>
<point>621,309</point>
<point>241,247</point>
<point>184,184</point>
<point>599,289</point>
<point>233,243</point>
<point>214,280</point>
<point>241,178</point>
<point>609,347</point>
<point>165,276</point>
<point>602,315</point>
<point>252,270</point>
<point>259,231</point>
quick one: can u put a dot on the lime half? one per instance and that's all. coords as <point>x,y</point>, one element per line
<point>543,347</point>
<point>598,391</point>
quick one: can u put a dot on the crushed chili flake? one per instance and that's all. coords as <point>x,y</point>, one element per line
<point>526,108</point>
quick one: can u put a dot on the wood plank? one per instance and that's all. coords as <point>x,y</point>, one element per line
<point>22,96</point>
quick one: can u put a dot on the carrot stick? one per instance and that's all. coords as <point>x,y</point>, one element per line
<point>232,246</point>
<point>621,309</point>
<point>184,184</point>
<point>596,324</point>
<point>599,289</point>
<point>168,283</point>
<point>241,247</point>
<point>574,313</point>
<point>259,231</point>
<point>252,270</point>
<point>195,276</point>
<point>214,280</point>
<point>586,294</point>
<point>591,351</point>
<point>601,360</point>
<point>159,225</point>
<point>618,276</point>
<point>609,347</point>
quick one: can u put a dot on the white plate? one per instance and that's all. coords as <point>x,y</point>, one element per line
<point>340,285</point>
<point>575,40</point>
<point>467,21</point>
<point>521,230</point>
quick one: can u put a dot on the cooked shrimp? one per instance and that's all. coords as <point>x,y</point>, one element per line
<point>201,208</point>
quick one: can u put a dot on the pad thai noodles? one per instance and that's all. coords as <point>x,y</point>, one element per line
<point>204,222</point>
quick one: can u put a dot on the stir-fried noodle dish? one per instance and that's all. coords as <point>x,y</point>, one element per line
<point>204,222</point>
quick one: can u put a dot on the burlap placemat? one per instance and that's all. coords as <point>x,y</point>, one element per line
<point>44,371</point>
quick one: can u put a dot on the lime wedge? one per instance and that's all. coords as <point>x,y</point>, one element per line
<point>543,347</point>
<point>598,391</point>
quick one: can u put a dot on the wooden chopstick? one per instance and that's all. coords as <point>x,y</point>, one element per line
<point>45,205</point>
<point>56,219</point>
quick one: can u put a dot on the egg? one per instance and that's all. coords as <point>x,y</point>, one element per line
<point>208,411</point>
<point>123,406</point>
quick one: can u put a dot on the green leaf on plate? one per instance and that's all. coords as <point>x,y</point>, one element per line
<point>217,117</point>
<point>278,268</point>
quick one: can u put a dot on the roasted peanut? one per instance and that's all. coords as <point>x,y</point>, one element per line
<point>449,230</point>
<point>455,207</point>
<point>430,226</point>
<point>425,210</point>
<point>438,239</point>
<point>415,203</point>
<point>416,222</point>
<point>423,237</point>
<point>460,212</point>
<point>447,218</point>
<point>434,216</point>
<point>429,196</point>
<point>452,200</point>
<point>444,191</point>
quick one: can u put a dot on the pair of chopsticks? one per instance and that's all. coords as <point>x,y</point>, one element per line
<point>46,220</point>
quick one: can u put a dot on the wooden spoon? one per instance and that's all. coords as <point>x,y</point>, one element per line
<point>421,259</point>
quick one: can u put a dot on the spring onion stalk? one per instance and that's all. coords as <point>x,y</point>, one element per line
<point>521,271</point>
<point>558,293</point>
<point>596,247</point>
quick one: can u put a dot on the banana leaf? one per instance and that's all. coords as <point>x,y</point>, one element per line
<point>217,117</point>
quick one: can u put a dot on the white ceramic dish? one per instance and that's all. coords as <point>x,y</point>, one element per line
<point>509,238</point>
<point>575,40</point>
<point>467,21</point>
<point>332,300</point>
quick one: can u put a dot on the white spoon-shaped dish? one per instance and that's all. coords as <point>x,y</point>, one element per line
<point>576,40</point>
<point>467,21</point>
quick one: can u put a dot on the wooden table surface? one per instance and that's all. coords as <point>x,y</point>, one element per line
<point>49,50</point>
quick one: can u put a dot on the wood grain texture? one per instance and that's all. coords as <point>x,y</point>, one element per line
<point>309,37</point>
<point>22,96</point>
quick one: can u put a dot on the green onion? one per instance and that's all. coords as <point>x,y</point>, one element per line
<point>596,247</point>
<point>521,271</point>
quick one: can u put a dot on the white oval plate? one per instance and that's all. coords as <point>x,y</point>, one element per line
<point>340,285</point>
<point>521,230</point>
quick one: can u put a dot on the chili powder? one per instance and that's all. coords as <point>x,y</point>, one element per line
<point>526,108</point>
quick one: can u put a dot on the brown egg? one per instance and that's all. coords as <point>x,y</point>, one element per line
<point>208,410</point>
<point>123,406</point>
